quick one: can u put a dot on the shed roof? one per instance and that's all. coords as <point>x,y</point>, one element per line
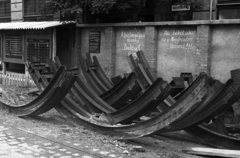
<point>32,25</point>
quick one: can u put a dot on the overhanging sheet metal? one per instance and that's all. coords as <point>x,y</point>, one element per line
<point>32,25</point>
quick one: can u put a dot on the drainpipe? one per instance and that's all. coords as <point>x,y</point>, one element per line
<point>211,10</point>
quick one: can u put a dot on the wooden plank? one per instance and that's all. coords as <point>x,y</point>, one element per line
<point>213,152</point>
<point>40,67</point>
<point>93,67</point>
<point>145,74</point>
<point>47,75</point>
<point>74,71</point>
<point>57,61</point>
<point>54,43</point>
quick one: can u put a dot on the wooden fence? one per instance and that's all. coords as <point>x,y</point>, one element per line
<point>16,79</point>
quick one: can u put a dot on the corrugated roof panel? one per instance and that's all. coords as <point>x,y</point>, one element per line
<point>31,25</point>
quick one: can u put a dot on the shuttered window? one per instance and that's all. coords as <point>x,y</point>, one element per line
<point>227,1</point>
<point>33,6</point>
<point>5,9</point>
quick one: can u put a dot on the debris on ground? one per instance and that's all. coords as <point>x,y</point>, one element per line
<point>138,149</point>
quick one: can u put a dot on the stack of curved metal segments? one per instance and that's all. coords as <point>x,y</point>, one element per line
<point>138,105</point>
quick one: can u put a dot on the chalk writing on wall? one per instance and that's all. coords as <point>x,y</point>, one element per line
<point>176,51</point>
<point>178,39</point>
<point>132,42</point>
<point>128,42</point>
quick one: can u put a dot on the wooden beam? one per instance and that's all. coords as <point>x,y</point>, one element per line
<point>213,152</point>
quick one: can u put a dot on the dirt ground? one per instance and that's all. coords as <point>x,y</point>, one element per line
<point>53,126</point>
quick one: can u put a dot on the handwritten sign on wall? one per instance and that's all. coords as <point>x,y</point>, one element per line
<point>129,41</point>
<point>176,50</point>
<point>178,39</point>
<point>132,41</point>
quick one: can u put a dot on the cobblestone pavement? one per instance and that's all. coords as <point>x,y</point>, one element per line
<point>16,143</point>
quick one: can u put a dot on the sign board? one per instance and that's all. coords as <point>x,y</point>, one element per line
<point>38,49</point>
<point>180,7</point>
<point>94,41</point>
<point>13,46</point>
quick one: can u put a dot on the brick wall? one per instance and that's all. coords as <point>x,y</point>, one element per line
<point>151,47</point>
<point>109,53</point>
<point>77,47</point>
<point>203,45</point>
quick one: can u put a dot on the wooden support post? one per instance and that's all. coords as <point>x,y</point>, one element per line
<point>54,42</point>
<point>26,76</point>
<point>4,68</point>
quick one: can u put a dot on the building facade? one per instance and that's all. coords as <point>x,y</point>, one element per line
<point>21,46</point>
<point>29,10</point>
<point>153,11</point>
<point>31,36</point>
